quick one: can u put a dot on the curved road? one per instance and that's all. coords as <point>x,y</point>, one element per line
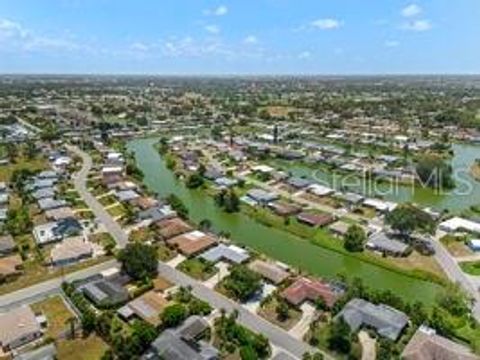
<point>80,182</point>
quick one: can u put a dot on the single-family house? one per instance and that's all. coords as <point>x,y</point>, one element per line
<point>262,197</point>
<point>71,250</point>
<point>314,219</point>
<point>10,266</point>
<point>304,289</point>
<point>230,253</point>
<point>7,245</point>
<point>168,228</point>
<point>386,244</point>
<point>18,327</point>
<point>105,292</point>
<point>192,243</point>
<point>147,307</point>
<point>183,343</point>
<point>385,320</point>
<point>426,344</point>
<point>270,271</point>
<point>460,224</point>
<point>51,203</point>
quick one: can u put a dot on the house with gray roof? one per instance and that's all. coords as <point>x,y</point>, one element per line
<point>183,343</point>
<point>262,196</point>
<point>385,320</point>
<point>230,253</point>
<point>7,245</point>
<point>386,244</point>
<point>105,292</point>
<point>51,203</point>
<point>43,193</point>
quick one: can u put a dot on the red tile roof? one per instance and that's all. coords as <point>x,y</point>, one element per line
<point>306,289</point>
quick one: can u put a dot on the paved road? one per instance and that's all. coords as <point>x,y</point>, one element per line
<point>42,290</point>
<point>80,182</point>
<point>455,273</point>
<point>276,335</point>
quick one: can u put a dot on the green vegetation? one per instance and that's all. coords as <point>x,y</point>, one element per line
<point>173,315</point>
<point>197,268</point>
<point>227,200</point>
<point>242,283</point>
<point>434,172</point>
<point>177,205</point>
<point>231,337</point>
<point>140,261</point>
<point>471,267</point>
<point>407,218</point>
<point>355,238</point>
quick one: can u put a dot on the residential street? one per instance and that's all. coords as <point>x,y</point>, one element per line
<point>276,335</point>
<point>101,214</point>
<point>39,291</point>
<point>455,273</point>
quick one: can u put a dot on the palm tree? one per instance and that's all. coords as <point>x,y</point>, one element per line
<point>71,321</point>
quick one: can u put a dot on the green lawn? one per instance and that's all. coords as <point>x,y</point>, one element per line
<point>471,267</point>
<point>198,269</point>
<point>165,253</point>
<point>56,313</point>
<point>36,164</point>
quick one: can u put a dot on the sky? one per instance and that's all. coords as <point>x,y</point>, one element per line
<point>184,37</point>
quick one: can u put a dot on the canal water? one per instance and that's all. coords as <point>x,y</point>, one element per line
<point>465,194</point>
<point>277,244</point>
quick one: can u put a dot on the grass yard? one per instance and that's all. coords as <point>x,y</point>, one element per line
<point>57,314</point>
<point>456,245</point>
<point>91,347</point>
<point>37,164</point>
<point>141,234</point>
<point>116,210</point>
<point>107,200</point>
<point>268,311</point>
<point>165,253</point>
<point>425,268</point>
<point>471,267</point>
<point>198,269</point>
<point>34,272</point>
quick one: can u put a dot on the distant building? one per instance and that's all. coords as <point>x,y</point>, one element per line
<point>313,219</point>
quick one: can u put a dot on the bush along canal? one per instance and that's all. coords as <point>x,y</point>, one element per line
<point>277,244</point>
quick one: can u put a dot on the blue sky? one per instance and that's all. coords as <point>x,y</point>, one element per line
<point>240,36</point>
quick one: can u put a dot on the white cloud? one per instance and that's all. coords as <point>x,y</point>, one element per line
<point>411,10</point>
<point>305,55</point>
<point>139,46</point>
<point>392,43</point>
<point>218,11</point>
<point>418,25</point>
<point>9,29</point>
<point>326,24</point>
<point>212,29</point>
<point>250,39</point>
<point>16,37</point>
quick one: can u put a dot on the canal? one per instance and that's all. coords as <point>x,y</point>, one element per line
<point>465,194</point>
<point>277,244</point>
